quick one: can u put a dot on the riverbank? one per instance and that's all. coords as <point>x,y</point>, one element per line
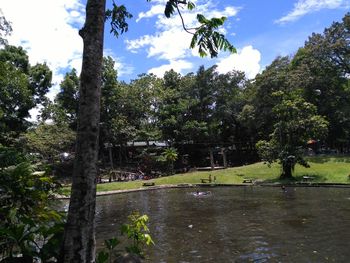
<point>323,170</point>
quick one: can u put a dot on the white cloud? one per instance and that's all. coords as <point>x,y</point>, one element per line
<point>48,30</point>
<point>155,10</point>
<point>134,45</point>
<point>171,42</point>
<point>303,7</point>
<point>119,65</point>
<point>177,65</point>
<point>247,60</point>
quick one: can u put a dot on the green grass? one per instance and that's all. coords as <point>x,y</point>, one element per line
<point>323,169</point>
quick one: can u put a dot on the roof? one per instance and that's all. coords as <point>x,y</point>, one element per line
<point>148,143</point>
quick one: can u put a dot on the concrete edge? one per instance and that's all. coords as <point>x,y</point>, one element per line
<point>169,186</point>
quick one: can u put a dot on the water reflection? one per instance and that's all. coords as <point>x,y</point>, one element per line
<point>247,224</point>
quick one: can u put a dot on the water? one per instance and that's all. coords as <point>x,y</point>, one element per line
<point>237,224</point>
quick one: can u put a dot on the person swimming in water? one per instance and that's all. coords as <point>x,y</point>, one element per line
<point>198,193</point>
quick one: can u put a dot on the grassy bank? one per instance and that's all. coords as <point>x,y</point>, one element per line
<point>322,169</point>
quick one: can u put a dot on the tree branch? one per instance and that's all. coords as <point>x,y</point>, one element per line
<point>182,19</point>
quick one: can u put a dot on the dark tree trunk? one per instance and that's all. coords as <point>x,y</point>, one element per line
<point>211,154</point>
<point>287,168</point>
<point>79,235</point>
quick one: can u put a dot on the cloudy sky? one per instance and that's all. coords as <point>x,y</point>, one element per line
<point>260,30</point>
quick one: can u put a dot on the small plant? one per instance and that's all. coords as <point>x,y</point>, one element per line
<point>107,256</point>
<point>137,231</point>
<point>168,157</point>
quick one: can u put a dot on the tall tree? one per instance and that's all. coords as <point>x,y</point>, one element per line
<point>79,235</point>
<point>68,97</point>
<point>321,69</point>
<point>173,106</point>
<point>50,140</point>
<point>22,87</point>
<point>272,79</point>
<point>296,122</point>
<point>79,242</point>
<point>228,105</point>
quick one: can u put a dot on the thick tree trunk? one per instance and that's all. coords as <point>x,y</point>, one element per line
<point>79,235</point>
<point>287,171</point>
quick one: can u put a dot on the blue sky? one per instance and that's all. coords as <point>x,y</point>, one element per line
<point>260,30</point>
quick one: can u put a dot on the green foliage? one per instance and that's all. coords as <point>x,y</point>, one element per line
<point>107,256</point>
<point>22,86</point>
<point>49,140</point>
<point>29,228</point>
<point>65,108</point>
<point>117,16</point>
<point>205,36</point>
<point>208,40</point>
<point>170,154</point>
<point>168,157</point>
<point>296,122</point>
<point>190,5</point>
<point>170,8</point>
<point>136,231</point>
<point>10,156</point>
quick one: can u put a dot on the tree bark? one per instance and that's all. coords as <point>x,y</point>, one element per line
<point>79,236</point>
<point>224,157</point>
<point>211,154</point>
<point>286,171</point>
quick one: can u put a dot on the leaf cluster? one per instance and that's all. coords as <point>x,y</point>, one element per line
<point>29,228</point>
<point>208,40</point>
<point>206,36</point>
<point>117,16</point>
<point>136,230</point>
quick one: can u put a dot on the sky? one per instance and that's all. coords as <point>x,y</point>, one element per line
<point>260,31</point>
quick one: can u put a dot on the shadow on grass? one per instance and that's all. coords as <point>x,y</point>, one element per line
<point>305,178</point>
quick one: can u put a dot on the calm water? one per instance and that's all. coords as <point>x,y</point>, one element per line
<point>239,224</point>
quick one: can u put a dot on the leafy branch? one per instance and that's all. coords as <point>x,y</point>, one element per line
<point>206,36</point>
<point>117,16</point>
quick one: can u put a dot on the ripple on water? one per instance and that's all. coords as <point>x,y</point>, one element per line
<point>239,224</point>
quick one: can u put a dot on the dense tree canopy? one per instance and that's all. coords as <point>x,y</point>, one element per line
<point>22,87</point>
<point>296,122</point>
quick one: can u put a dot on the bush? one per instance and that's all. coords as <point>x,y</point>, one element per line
<point>29,228</point>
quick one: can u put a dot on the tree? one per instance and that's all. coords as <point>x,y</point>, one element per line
<point>321,69</point>
<point>169,156</point>
<point>79,242</point>
<point>68,97</point>
<point>272,79</point>
<point>173,106</point>
<point>22,87</point>
<point>50,140</point>
<point>333,46</point>
<point>296,122</point>
<point>228,104</point>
